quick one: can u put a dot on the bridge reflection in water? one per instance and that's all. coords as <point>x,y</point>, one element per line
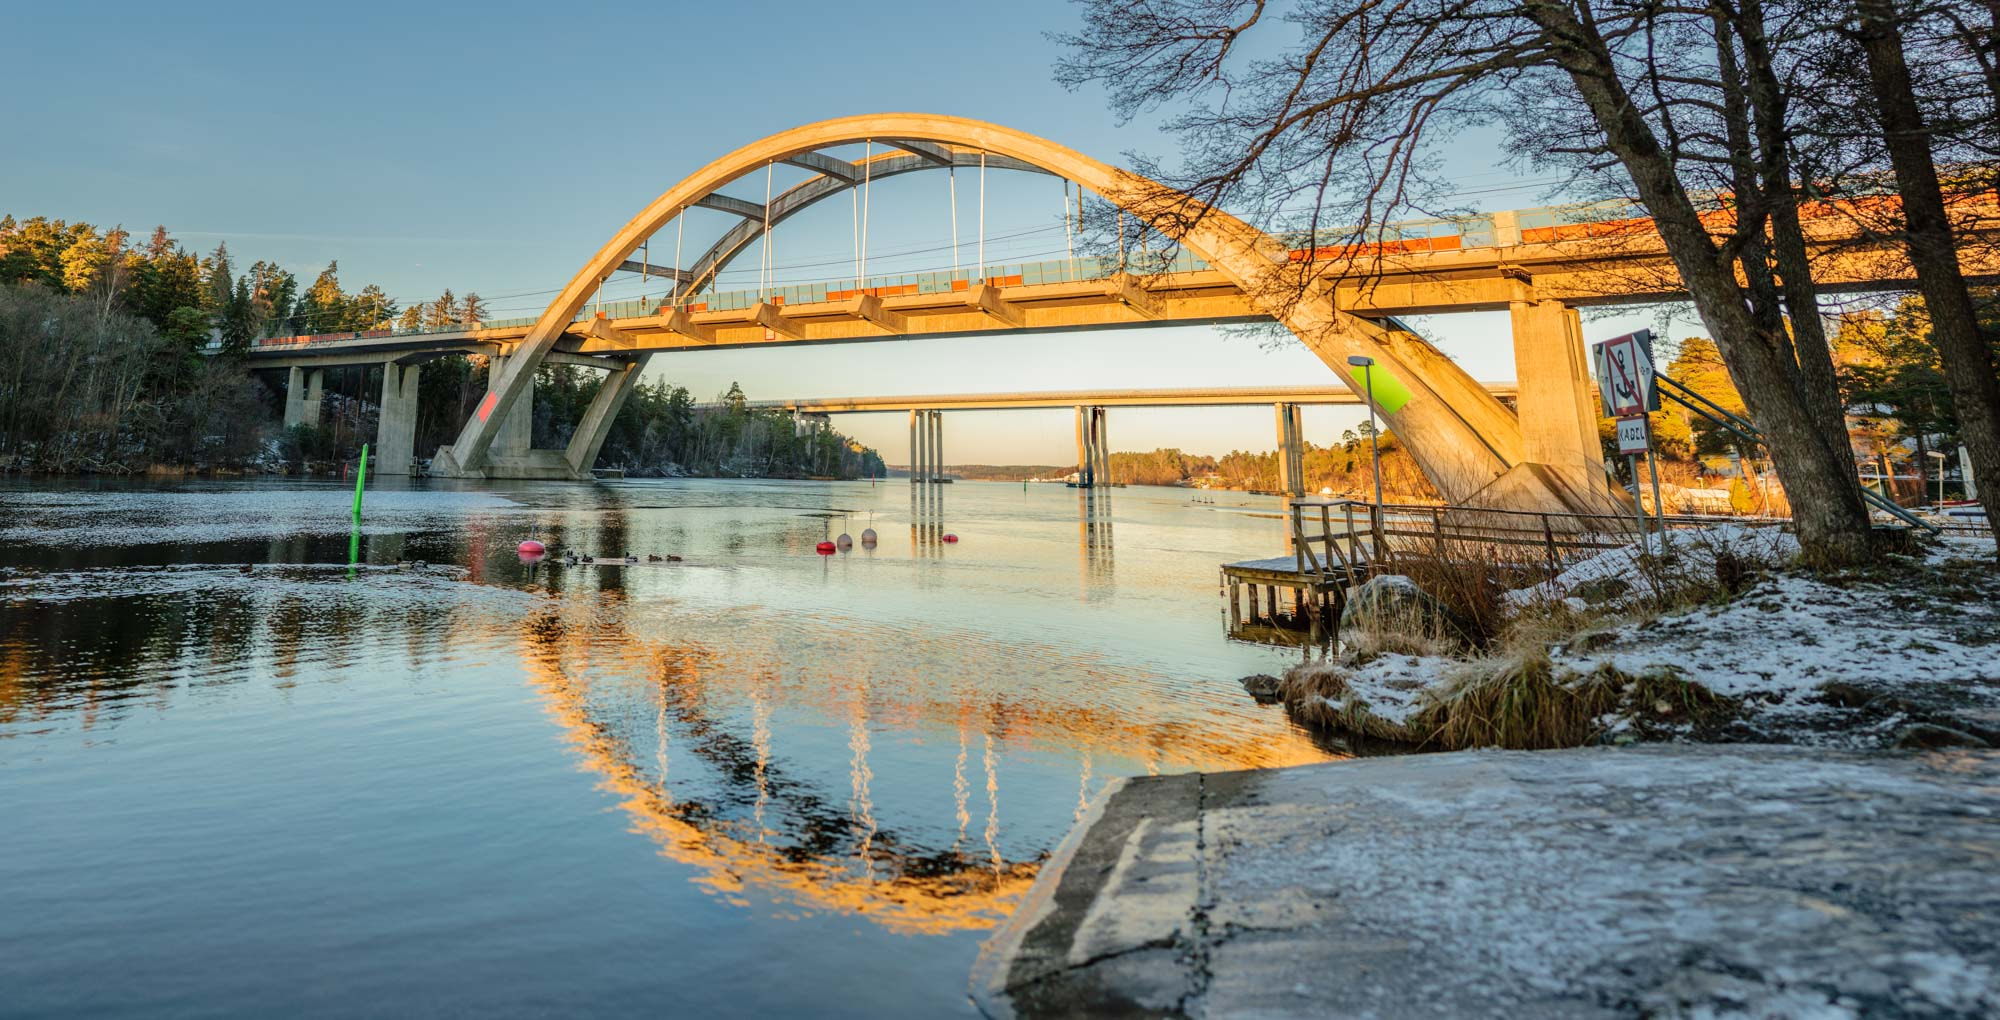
<point>899,738</point>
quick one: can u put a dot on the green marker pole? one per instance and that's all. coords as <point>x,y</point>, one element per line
<point>360,479</point>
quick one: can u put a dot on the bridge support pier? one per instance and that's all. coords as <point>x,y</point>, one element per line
<point>396,430</point>
<point>1555,405</point>
<point>926,446</point>
<point>304,390</point>
<point>1291,451</point>
<point>1093,452</point>
<point>516,434</point>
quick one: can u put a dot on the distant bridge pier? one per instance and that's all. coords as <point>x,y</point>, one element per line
<point>926,446</point>
<point>809,423</point>
<point>1556,403</point>
<point>1093,451</point>
<point>1291,450</point>
<point>396,428</point>
<point>304,390</point>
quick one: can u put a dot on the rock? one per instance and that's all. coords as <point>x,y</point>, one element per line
<point>1262,686</point>
<point>1928,736</point>
<point>1598,591</point>
<point>1590,641</point>
<point>1845,695</point>
<point>1394,604</point>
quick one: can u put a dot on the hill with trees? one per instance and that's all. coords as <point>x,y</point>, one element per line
<point>109,368</point>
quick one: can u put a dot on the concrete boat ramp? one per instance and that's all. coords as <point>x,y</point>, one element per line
<point>1708,880</point>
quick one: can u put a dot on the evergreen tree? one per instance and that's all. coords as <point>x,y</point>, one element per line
<point>219,275</point>
<point>323,307</point>
<point>370,309</point>
<point>442,313</point>
<point>472,309</point>
<point>272,294</point>
<point>85,260</point>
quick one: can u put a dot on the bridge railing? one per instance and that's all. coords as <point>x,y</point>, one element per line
<point>1542,224</point>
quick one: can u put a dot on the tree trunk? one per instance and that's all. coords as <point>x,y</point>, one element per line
<point>1967,360</point>
<point>1788,239</point>
<point>1827,511</point>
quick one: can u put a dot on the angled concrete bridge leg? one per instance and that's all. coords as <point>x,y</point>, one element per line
<point>510,388</point>
<point>588,440</point>
<point>396,430</point>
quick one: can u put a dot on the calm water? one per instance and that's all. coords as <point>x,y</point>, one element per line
<point>239,775</point>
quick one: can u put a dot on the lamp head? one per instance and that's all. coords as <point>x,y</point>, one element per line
<point>1360,360</point>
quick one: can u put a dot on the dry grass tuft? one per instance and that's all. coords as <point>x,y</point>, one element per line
<point>1515,701</point>
<point>1319,693</point>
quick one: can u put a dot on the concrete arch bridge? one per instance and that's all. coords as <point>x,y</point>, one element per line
<point>1540,265</point>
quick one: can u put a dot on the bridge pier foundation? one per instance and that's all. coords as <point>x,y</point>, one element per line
<point>1291,451</point>
<point>396,429</point>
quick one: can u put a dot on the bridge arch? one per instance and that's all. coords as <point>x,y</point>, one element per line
<point>1467,442</point>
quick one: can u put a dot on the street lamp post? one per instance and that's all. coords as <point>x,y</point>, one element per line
<point>1367,364</point>
<point>1940,474</point>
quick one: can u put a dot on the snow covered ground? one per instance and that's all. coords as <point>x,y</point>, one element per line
<point>1805,654</point>
<point>1868,659</point>
<point>1667,881</point>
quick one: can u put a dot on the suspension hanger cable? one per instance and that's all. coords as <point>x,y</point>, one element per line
<point>854,212</point>
<point>1069,240</point>
<point>768,165</point>
<point>680,229</point>
<point>951,173</point>
<point>982,215</point>
<point>867,179</point>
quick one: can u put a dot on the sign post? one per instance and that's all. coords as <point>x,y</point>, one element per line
<point>1625,383</point>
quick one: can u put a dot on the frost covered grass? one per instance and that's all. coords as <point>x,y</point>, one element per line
<point>1724,639</point>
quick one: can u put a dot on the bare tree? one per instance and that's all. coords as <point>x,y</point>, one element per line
<point>1681,108</point>
<point>1966,354</point>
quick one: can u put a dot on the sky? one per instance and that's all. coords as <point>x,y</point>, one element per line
<point>493,147</point>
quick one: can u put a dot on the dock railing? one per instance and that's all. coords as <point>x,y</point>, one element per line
<point>1346,541</point>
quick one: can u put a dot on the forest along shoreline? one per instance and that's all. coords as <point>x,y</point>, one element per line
<point>94,387</point>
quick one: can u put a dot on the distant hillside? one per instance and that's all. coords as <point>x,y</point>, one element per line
<point>1008,472</point>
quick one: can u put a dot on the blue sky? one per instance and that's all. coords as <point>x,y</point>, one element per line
<point>494,146</point>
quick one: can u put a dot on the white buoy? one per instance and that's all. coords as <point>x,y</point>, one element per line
<point>843,541</point>
<point>868,536</point>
